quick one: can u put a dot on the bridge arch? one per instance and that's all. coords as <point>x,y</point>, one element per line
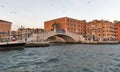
<point>67,38</point>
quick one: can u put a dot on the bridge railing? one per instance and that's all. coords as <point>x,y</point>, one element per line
<point>43,36</point>
<point>60,31</point>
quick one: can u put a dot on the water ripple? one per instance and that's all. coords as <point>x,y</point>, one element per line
<point>65,58</point>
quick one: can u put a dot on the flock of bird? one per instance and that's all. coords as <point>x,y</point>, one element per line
<point>3,6</point>
<point>13,12</point>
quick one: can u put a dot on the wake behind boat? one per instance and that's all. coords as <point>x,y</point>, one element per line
<point>12,45</point>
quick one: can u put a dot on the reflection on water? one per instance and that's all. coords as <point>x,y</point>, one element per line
<point>65,58</point>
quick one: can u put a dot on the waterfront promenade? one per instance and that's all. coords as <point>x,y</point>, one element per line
<point>37,40</point>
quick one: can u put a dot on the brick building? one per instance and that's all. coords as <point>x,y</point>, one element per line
<point>5,28</point>
<point>117,27</point>
<point>65,24</point>
<point>100,30</point>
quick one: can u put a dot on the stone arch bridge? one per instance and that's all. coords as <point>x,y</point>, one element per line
<point>67,36</point>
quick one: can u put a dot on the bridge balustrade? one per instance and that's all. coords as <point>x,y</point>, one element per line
<point>44,36</point>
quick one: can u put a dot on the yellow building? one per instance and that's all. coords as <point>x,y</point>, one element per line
<point>23,33</point>
<point>99,30</point>
<point>108,31</point>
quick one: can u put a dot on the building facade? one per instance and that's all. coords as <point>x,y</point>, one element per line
<point>5,28</point>
<point>100,30</point>
<point>24,33</point>
<point>96,30</point>
<point>66,24</point>
<point>108,31</point>
<point>117,27</point>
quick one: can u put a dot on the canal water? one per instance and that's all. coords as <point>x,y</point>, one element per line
<point>62,58</point>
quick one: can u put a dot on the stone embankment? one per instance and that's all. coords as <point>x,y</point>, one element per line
<point>37,44</point>
<point>100,42</point>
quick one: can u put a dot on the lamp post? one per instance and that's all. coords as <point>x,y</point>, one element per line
<point>20,30</point>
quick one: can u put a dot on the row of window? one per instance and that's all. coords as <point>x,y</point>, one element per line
<point>100,27</point>
<point>105,35</point>
<point>74,29</point>
<point>103,31</point>
<point>108,34</point>
<point>75,21</point>
<point>79,25</point>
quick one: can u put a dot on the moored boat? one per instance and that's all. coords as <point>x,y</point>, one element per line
<point>12,45</point>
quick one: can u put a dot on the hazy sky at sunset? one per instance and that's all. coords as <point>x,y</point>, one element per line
<point>33,13</point>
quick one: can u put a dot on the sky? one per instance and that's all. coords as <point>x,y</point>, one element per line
<point>33,13</point>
